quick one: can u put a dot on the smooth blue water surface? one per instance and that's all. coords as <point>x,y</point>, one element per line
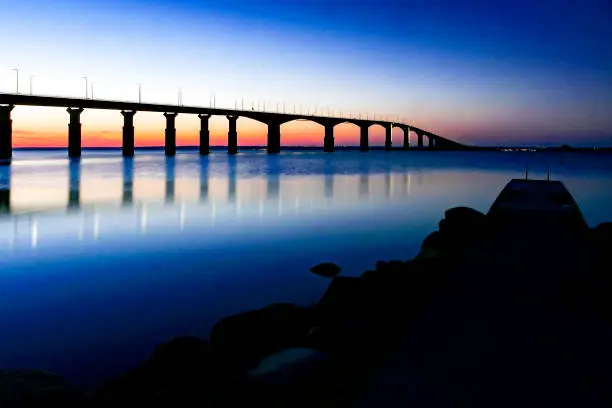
<point>104,258</point>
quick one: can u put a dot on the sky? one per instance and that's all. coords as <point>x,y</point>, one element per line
<point>479,72</point>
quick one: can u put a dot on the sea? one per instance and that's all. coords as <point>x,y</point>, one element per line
<point>104,258</point>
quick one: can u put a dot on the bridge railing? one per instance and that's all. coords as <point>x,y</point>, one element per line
<point>322,112</point>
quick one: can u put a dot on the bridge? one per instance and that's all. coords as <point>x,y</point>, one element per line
<point>273,120</point>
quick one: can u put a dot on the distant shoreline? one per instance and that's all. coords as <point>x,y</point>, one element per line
<point>564,149</point>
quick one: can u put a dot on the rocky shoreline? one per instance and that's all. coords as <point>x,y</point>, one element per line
<point>287,355</point>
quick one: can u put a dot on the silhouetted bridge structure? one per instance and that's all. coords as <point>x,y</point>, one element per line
<point>274,120</point>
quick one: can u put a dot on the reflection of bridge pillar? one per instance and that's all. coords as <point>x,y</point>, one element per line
<point>388,130</point>
<point>420,140</point>
<point>232,135</point>
<point>128,133</point>
<point>170,142</point>
<point>328,142</point>
<point>6,132</point>
<point>329,185</point>
<point>273,187</point>
<point>407,138</point>
<point>364,185</point>
<point>274,138</point>
<point>231,188</point>
<point>204,180</point>
<point>170,179</point>
<point>387,185</point>
<point>128,182</point>
<point>74,184</point>
<point>204,134</point>
<point>74,132</point>
<point>431,142</point>
<point>364,144</point>
<point>5,189</point>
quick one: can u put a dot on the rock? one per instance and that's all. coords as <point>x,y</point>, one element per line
<point>281,366</point>
<point>181,357</point>
<point>346,298</point>
<point>461,228</point>
<point>33,388</point>
<point>464,215</point>
<point>241,341</point>
<point>178,370</point>
<point>432,242</point>
<point>326,269</point>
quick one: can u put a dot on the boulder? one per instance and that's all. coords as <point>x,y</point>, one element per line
<point>326,269</point>
<point>346,298</point>
<point>34,388</point>
<point>177,371</point>
<point>241,341</point>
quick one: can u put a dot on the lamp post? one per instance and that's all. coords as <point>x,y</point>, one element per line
<point>180,96</point>
<point>16,78</point>
<point>92,90</point>
<point>86,87</point>
<point>31,80</point>
<point>139,93</point>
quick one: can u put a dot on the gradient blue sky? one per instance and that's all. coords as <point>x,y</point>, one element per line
<point>520,72</point>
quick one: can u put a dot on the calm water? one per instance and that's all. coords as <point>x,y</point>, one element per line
<point>104,259</point>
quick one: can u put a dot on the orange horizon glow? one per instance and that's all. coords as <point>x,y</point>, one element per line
<point>292,134</point>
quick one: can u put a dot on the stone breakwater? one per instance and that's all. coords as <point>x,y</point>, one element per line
<point>288,355</point>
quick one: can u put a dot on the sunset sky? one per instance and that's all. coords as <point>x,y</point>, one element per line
<point>480,72</point>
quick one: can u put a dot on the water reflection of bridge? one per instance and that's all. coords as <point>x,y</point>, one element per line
<point>87,192</point>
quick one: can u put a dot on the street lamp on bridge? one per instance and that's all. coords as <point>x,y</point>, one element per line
<point>31,80</point>
<point>86,87</point>
<point>139,92</point>
<point>16,78</point>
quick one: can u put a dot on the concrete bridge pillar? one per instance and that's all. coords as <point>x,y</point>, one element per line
<point>204,134</point>
<point>420,140</point>
<point>128,182</point>
<point>128,133</point>
<point>388,130</point>
<point>431,142</point>
<point>274,138</point>
<point>364,141</point>
<point>74,132</point>
<point>232,135</point>
<point>170,142</point>
<point>407,138</point>
<point>6,132</point>
<point>328,142</point>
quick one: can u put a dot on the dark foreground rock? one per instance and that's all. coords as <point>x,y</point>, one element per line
<point>326,269</point>
<point>177,372</point>
<point>34,389</point>
<point>241,341</point>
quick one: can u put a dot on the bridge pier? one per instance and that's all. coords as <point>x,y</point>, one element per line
<point>232,135</point>
<point>388,144</point>
<point>430,142</point>
<point>204,134</point>
<point>128,133</point>
<point>364,142</point>
<point>420,140</point>
<point>407,138</point>
<point>170,142</point>
<point>274,138</point>
<point>328,142</point>
<point>74,132</point>
<point>6,132</point>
